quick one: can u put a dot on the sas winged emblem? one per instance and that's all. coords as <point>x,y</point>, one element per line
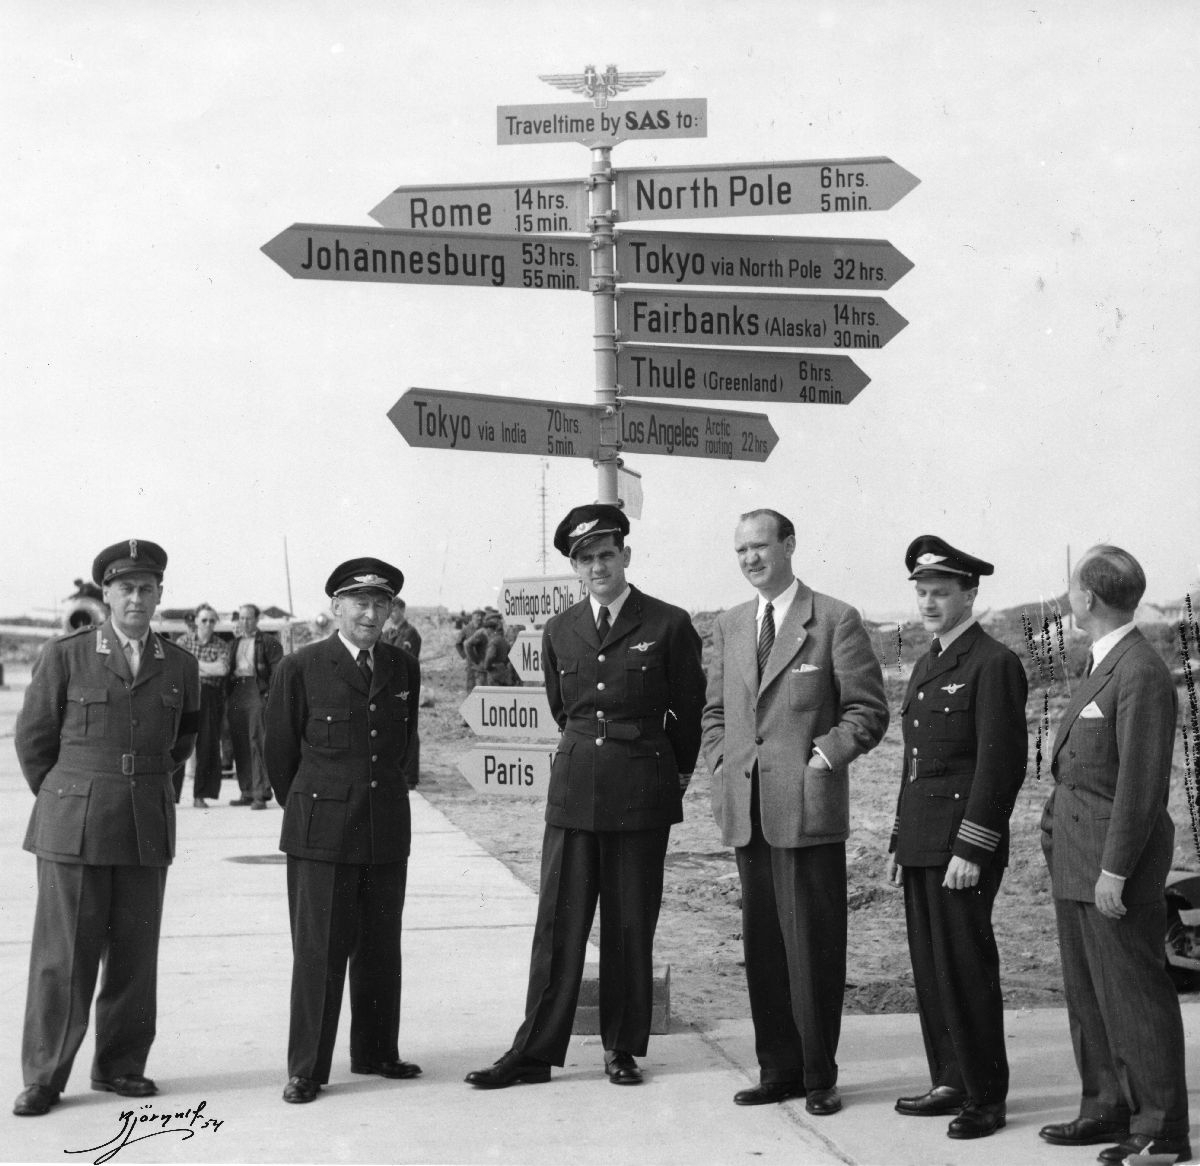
<point>952,688</point>
<point>644,646</point>
<point>599,86</point>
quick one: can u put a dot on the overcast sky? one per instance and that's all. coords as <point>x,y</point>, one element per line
<point>164,380</point>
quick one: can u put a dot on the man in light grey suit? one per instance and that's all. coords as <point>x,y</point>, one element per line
<point>1108,841</point>
<point>795,693</point>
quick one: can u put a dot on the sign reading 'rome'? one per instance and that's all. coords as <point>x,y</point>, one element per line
<point>522,208</point>
<point>760,321</point>
<point>761,188</point>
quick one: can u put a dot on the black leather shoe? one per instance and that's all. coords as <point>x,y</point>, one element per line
<point>1084,1131</point>
<point>1145,1144</point>
<point>769,1093</point>
<point>823,1102</point>
<point>258,804</point>
<point>621,1068</point>
<point>396,1070</point>
<point>978,1121</point>
<point>514,1068</point>
<point>34,1100</point>
<point>240,801</point>
<point>937,1102</point>
<point>133,1085</point>
<point>300,1090</point>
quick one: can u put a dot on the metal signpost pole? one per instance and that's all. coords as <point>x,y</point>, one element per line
<point>604,305</point>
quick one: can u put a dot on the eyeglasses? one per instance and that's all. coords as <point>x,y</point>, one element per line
<point>206,621</point>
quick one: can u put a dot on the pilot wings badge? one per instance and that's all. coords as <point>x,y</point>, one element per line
<point>952,688</point>
<point>599,86</point>
<point>644,646</point>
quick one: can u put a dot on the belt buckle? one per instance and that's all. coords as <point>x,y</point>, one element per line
<point>127,762</point>
<point>602,728</point>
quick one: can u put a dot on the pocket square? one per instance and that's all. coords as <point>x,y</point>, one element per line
<point>1091,710</point>
<point>807,668</point>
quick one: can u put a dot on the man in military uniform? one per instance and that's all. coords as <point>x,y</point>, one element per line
<point>965,747</point>
<point>339,724</point>
<point>109,712</point>
<point>469,628</point>
<point>625,684</point>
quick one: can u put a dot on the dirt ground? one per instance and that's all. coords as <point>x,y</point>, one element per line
<point>699,932</point>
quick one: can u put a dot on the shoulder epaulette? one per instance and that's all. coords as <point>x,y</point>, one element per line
<point>75,632</point>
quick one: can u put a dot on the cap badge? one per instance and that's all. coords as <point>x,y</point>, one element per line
<point>952,688</point>
<point>584,527</point>
<point>371,580</point>
<point>133,548</point>
<point>929,558</point>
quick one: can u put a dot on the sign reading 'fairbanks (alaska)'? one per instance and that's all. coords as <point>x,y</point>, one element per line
<point>676,257</point>
<point>760,321</point>
<point>761,188</point>
<point>380,255</point>
<point>619,121</point>
<point>521,208</point>
<point>732,374</point>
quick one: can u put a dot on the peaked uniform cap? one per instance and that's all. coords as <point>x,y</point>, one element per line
<point>585,523</point>
<point>126,558</point>
<point>930,555</point>
<point>365,574</point>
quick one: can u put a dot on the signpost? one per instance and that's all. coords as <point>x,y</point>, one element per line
<point>780,321</point>
<point>676,257</point>
<point>533,600</point>
<point>526,656</point>
<point>709,374</point>
<point>618,121</point>
<point>498,767</point>
<point>380,255</point>
<point>506,207</point>
<point>762,188</point>
<point>509,713</point>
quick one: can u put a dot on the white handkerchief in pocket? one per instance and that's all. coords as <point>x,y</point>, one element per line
<point>807,668</point>
<point>1091,710</point>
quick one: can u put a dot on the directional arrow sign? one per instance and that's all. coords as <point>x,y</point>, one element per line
<point>674,257</point>
<point>380,255</point>
<point>711,374</point>
<point>518,207</point>
<point>532,601</point>
<point>504,768</point>
<point>436,419</point>
<point>761,321</point>
<point>761,188</point>
<point>684,432</point>
<point>526,656</point>
<point>622,121</point>
<point>509,712</point>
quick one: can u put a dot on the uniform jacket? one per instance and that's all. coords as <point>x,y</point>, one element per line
<point>822,686</point>
<point>97,748</point>
<point>402,635</point>
<point>268,651</point>
<point>966,742</point>
<point>335,752</point>
<point>630,713</point>
<point>1108,808</point>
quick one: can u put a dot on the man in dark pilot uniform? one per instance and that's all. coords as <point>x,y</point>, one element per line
<point>625,684</point>
<point>965,747</point>
<point>109,712</point>
<point>340,721</point>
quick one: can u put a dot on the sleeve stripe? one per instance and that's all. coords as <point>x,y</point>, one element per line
<point>975,835</point>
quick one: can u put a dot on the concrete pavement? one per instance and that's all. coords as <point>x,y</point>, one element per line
<point>224,972</point>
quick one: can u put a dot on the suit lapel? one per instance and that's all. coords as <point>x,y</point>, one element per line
<point>629,619</point>
<point>343,663</point>
<point>950,657</point>
<point>383,670</point>
<point>109,647</point>
<point>1091,685</point>
<point>585,626</point>
<point>743,641</point>
<point>789,636</point>
<point>152,660</point>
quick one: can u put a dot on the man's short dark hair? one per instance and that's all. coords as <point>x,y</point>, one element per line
<point>253,607</point>
<point>784,526</point>
<point>966,582</point>
<point>617,537</point>
<point>1114,575</point>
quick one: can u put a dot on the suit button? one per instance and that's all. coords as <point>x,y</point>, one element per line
<point>599,740</point>
<point>133,720</point>
<point>916,723</point>
<point>914,751</point>
<point>329,718</point>
<point>601,657</point>
<point>957,796</point>
<point>374,756</point>
<point>946,709</point>
<point>374,784</point>
<point>374,732</point>
<point>599,714</point>
<point>314,795</point>
<point>758,740</point>
<point>600,686</point>
<point>371,707</point>
<point>132,782</point>
<point>920,696</point>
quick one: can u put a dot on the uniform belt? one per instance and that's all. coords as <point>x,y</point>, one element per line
<point>615,728</point>
<point>103,763</point>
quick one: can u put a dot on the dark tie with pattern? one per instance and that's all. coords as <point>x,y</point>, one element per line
<point>935,649</point>
<point>364,664</point>
<point>1091,664</point>
<point>603,624</point>
<point>766,638</point>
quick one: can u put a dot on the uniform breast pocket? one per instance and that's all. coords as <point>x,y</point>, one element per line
<point>646,677</point>
<point>87,711</point>
<point>328,728</point>
<point>950,716</point>
<point>806,690</point>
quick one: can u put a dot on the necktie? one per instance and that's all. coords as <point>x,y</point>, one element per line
<point>603,624</point>
<point>766,638</point>
<point>133,655</point>
<point>935,649</point>
<point>1091,663</point>
<point>364,665</point>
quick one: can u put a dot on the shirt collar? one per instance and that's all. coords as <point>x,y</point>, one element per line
<point>1106,643</point>
<point>948,638</point>
<point>123,639</point>
<point>614,608</point>
<point>779,605</point>
<point>354,649</point>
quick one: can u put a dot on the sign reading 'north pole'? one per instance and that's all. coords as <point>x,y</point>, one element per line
<point>676,257</point>
<point>380,255</point>
<point>761,321</point>
<point>761,188</point>
<point>619,121</point>
<point>521,208</point>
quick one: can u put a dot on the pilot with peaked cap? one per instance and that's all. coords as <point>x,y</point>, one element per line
<point>340,721</point>
<point>965,747</point>
<point>625,684</point>
<point>110,711</point>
